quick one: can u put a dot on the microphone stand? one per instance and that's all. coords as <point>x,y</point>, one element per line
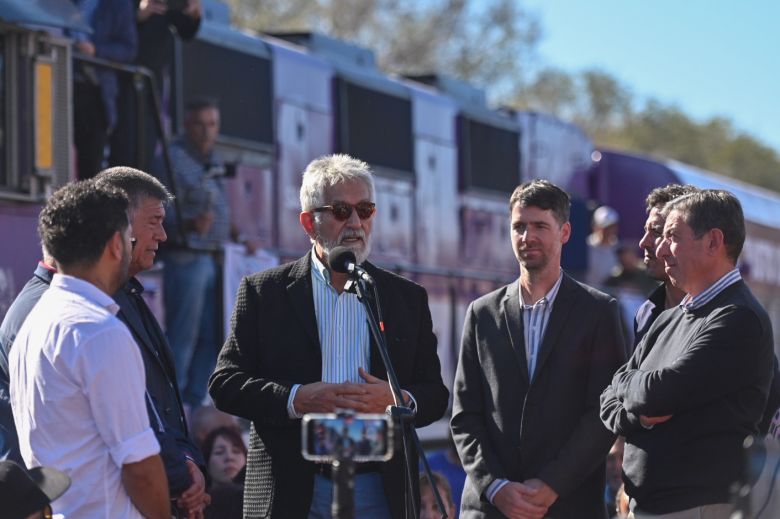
<point>405,415</point>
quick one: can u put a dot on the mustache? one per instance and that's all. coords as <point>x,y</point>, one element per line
<point>352,233</point>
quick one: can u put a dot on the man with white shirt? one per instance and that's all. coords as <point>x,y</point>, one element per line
<point>77,378</point>
<point>697,384</point>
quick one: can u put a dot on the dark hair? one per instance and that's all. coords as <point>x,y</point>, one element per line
<point>196,104</point>
<point>79,219</point>
<point>232,434</point>
<point>441,482</point>
<point>136,184</point>
<point>659,196</point>
<point>708,209</point>
<point>544,195</point>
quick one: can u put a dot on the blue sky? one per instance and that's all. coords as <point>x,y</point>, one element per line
<point>709,58</point>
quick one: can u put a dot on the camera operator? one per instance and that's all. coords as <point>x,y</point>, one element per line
<point>158,23</point>
<point>190,272</point>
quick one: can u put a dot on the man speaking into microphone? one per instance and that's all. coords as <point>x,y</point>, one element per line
<point>299,343</point>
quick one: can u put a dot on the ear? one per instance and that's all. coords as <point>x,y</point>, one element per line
<point>114,247</point>
<point>307,222</point>
<point>715,241</point>
<point>565,232</point>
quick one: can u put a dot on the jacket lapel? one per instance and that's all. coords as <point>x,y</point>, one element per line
<point>562,307</point>
<point>512,319</point>
<point>376,366</point>
<point>136,326</point>
<point>302,298</point>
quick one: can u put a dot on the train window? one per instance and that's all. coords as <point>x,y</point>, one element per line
<point>375,127</point>
<point>245,100</point>
<point>489,156</point>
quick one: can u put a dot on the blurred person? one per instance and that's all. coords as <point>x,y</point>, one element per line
<point>184,464</point>
<point>697,384</point>
<point>602,246</point>
<point>428,507</point>
<point>191,272</point>
<point>29,295</point>
<point>29,494</point>
<point>535,356</point>
<point>629,283</point>
<point>225,453</point>
<point>158,25</point>
<point>283,359</point>
<point>226,501</point>
<point>207,418</point>
<point>74,355</point>
<point>95,89</point>
<point>446,462</point>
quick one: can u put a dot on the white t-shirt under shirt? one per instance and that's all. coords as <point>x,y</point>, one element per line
<point>77,393</point>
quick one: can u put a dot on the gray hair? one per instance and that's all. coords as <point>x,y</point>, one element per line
<point>328,171</point>
<point>136,184</point>
<point>712,209</point>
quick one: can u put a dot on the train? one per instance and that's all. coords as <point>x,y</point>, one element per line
<point>445,161</point>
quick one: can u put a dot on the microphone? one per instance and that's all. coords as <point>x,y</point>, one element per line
<point>342,259</point>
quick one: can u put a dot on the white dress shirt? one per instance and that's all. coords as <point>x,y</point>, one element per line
<point>77,393</point>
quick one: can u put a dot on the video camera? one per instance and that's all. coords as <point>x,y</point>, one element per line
<point>362,438</point>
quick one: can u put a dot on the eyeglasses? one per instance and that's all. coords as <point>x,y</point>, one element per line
<point>342,210</point>
<point>133,241</point>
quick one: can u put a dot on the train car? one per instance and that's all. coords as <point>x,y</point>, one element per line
<point>445,162</point>
<point>623,180</point>
<point>35,127</point>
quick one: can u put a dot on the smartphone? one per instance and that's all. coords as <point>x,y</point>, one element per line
<point>361,437</point>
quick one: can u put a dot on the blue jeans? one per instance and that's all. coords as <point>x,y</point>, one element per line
<point>370,500</point>
<point>190,294</point>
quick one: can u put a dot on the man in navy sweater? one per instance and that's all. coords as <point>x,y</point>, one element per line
<point>698,382</point>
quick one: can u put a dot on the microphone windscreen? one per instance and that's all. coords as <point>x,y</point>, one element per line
<point>339,258</point>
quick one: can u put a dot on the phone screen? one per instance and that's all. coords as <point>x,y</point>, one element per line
<point>363,438</point>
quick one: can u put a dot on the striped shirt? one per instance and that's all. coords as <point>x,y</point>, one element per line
<point>535,319</point>
<point>343,331</point>
<point>689,303</point>
<point>341,322</point>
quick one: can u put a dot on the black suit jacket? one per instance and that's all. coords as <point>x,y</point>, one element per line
<point>12,322</point>
<point>161,383</point>
<point>274,344</point>
<point>506,426</point>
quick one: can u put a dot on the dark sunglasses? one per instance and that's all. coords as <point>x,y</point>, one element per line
<point>342,210</point>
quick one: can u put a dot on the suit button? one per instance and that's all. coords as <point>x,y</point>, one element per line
<point>167,410</point>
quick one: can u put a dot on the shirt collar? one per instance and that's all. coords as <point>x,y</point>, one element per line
<point>319,269</point>
<point>86,290</point>
<point>549,297</point>
<point>692,303</point>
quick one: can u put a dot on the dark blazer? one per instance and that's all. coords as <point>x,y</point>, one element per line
<point>161,383</point>
<point>274,344</point>
<point>506,426</point>
<point>12,322</point>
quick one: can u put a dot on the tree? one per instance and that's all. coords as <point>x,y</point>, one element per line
<point>488,43</point>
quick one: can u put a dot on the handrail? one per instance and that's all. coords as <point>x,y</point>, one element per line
<point>138,70</point>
